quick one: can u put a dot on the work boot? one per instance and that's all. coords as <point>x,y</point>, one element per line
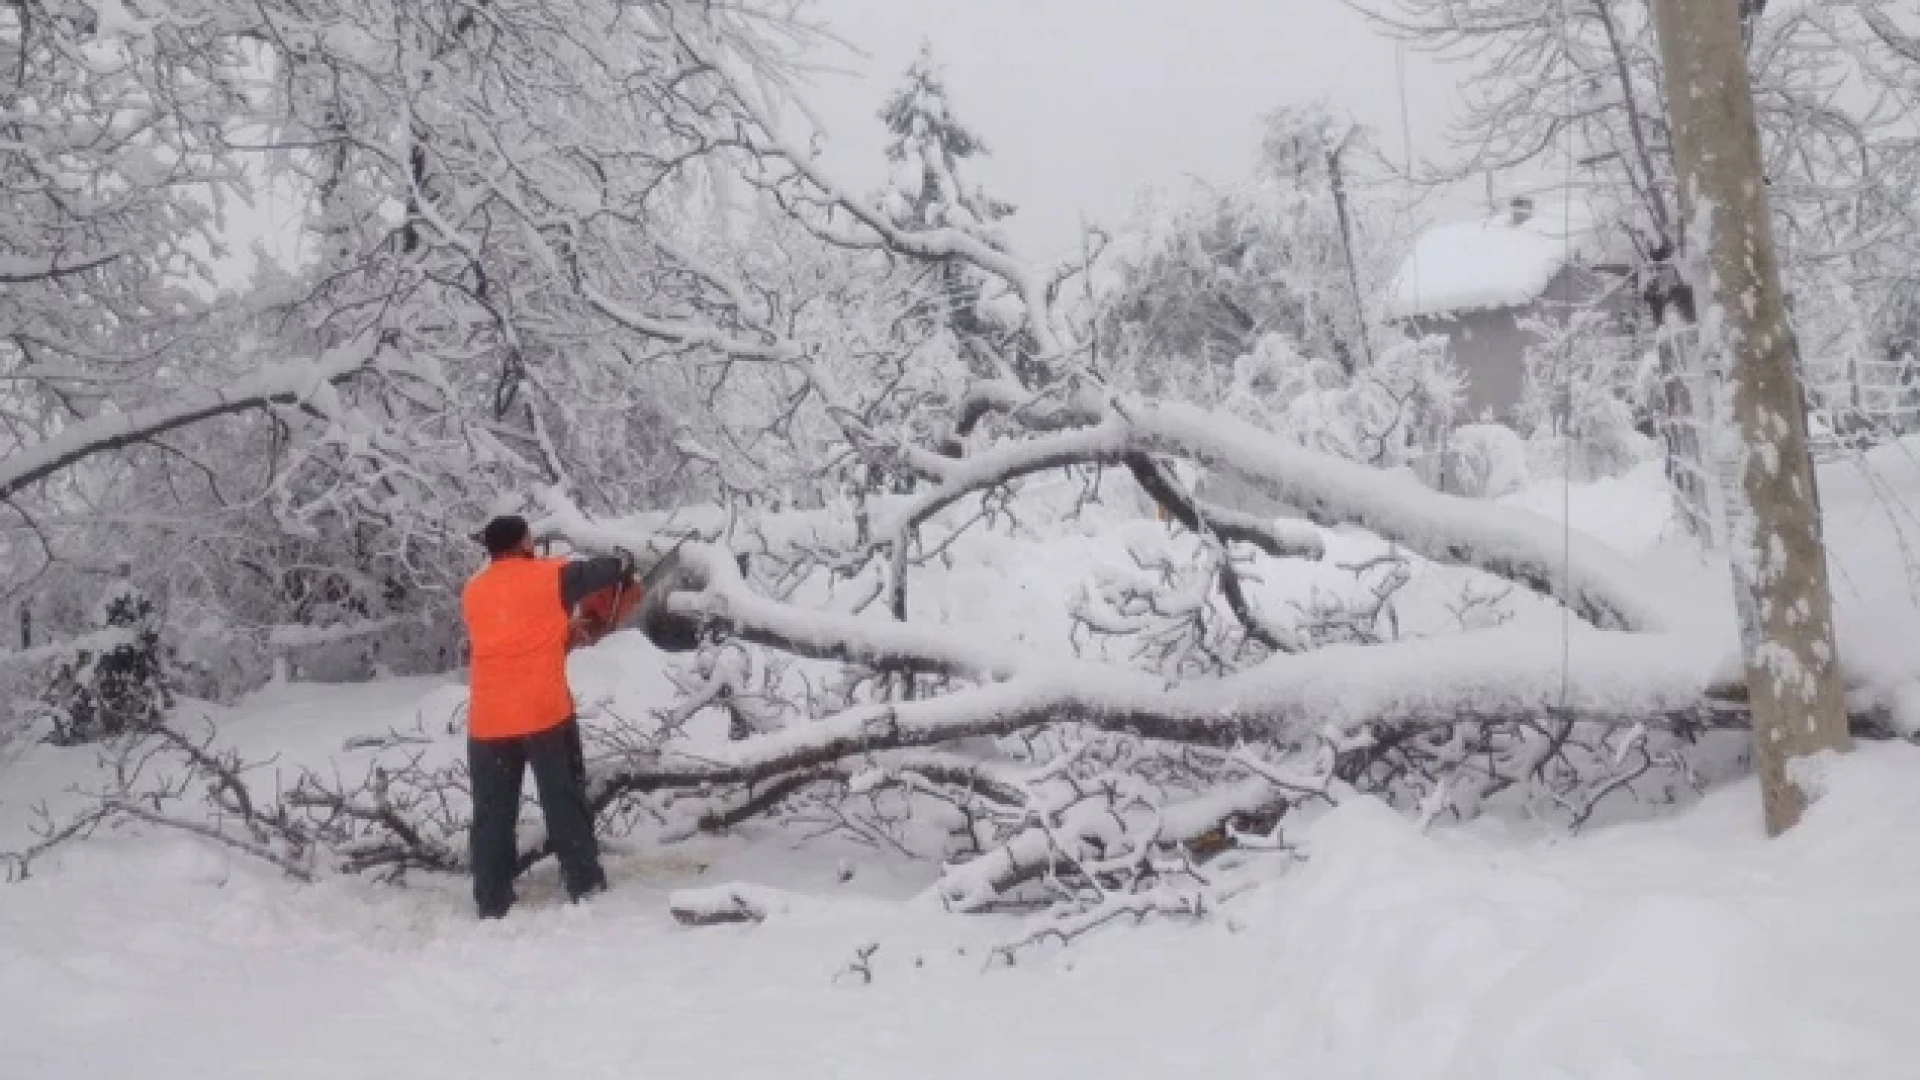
<point>593,888</point>
<point>496,909</point>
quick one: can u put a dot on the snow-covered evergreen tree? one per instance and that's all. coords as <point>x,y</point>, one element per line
<point>930,148</point>
<point>930,187</point>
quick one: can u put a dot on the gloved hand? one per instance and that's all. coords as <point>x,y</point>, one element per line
<point>626,562</point>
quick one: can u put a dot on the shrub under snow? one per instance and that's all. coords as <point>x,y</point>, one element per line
<point>116,681</point>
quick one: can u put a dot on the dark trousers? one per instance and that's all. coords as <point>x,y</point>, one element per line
<point>497,767</point>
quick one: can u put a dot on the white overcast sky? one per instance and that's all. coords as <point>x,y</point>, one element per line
<point>1084,102</point>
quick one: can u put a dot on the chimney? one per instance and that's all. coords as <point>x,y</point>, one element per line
<point>1520,209</point>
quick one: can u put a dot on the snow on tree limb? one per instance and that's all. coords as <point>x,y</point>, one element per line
<point>1328,491</point>
<point>1114,700</point>
<point>1279,538</point>
<point>276,384</point>
<point>688,334</point>
<point>1599,585</point>
<point>1046,412</point>
<point>1227,526</point>
<point>1489,677</point>
<point>973,885</point>
<point>724,602</point>
<point>920,770</point>
<point>15,270</point>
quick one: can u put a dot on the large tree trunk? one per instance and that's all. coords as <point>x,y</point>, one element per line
<point>1779,562</point>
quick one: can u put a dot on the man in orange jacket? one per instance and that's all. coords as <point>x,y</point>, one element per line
<point>520,710</point>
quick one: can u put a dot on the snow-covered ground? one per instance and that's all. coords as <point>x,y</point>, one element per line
<point>1687,947</point>
<point>1690,948</point>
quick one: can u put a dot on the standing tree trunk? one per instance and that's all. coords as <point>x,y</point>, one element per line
<point>1779,562</point>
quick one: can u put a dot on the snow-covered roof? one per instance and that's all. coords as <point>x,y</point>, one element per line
<point>1502,261</point>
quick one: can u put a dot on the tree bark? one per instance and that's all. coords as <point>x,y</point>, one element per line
<point>1337,180</point>
<point>1779,562</point>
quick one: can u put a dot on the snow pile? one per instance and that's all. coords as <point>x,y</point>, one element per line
<point>1685,949</point>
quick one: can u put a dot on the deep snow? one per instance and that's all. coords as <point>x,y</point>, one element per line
<point>1687,948</point>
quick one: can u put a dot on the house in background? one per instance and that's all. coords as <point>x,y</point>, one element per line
<point>1476,283</point>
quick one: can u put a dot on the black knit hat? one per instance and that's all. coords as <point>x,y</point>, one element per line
<point>504,535</point>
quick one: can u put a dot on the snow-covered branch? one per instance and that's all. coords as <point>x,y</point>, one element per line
<point>1491,677</point>
<point>18,271</point>
<point>1600,586</point>
<point>1888,31</point>
<point>279,384</point>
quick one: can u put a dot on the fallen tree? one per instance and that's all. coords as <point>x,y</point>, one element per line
<point>1098,771</point>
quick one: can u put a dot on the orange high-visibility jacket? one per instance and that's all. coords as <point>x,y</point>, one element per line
<point>518,627</point>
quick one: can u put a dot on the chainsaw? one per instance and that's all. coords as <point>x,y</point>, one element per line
<point>638,602</point>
